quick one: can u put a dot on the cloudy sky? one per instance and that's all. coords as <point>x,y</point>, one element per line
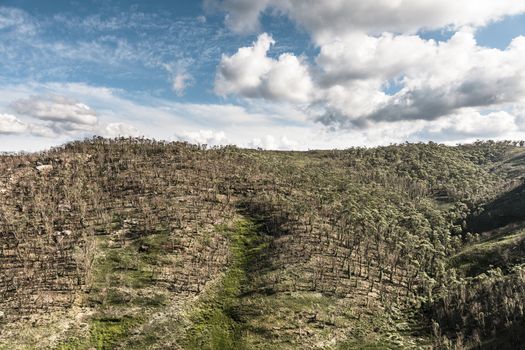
<point>276,74</point>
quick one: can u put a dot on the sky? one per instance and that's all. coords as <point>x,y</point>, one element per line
<point>271,74</point>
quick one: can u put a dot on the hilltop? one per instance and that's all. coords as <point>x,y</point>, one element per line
<point>139,244</point>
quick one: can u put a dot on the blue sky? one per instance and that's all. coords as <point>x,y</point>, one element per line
<point>260,74</point>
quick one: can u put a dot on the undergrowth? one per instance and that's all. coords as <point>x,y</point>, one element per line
<point>216,321</point>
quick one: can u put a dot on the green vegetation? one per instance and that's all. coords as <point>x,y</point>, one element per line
<point>107,333</point>
<point>138,244</point>
<point>215,320</point>
<point>120,289</point>
<point>503,250</point>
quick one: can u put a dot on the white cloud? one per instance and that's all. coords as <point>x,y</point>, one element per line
<point>361,56</point>
<point>243,71</point>
<point>55,116</point>
<point>9,124</point>
<point>251,73</point>
<point>336,18</point>
<point>436,79</point>
<point>288,80</point>
<point>473,124</point>
<point>269,142</point>
<point>242,15</point>
<point>257,124</point>
<point>180,82</point>
<point>57,109</point>
<point>180,78</point>
<point>119,129</point>
<point>327,19</point>
<point>458,74</point>
<point>365,46</point>
<point>17,21</point>
<point>204,137</point>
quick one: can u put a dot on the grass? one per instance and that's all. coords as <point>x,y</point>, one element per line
<point>216,321</point>
<point>124,295</point>
<point>359,345</point>
<point>503,250</point>
<point>311,320</point>
<point>122,291</point>
<point>105,334</point>
<point>231,316</point>
<point>227,315</point>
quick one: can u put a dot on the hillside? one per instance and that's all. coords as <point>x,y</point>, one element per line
<point>138,244</point>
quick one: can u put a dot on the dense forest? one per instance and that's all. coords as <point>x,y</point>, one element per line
<point>141,244</point>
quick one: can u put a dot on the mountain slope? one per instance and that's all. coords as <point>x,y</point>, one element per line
<point>132,243</point>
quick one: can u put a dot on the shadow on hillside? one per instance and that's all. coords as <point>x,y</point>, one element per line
<point>509,208</point>
<point>260,258</point>
<point>511,338</point>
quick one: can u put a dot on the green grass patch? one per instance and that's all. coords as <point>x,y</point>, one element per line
<point>360,345</point>
<point>106,333</point>
<point>121,291</point>
<point>216,321</point>
<point>132,265</point>
<point>502,251</point>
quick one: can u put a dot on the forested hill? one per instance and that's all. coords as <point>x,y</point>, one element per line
<point>138,244</point>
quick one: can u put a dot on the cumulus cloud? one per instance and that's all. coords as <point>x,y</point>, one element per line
<point>474,125</point>
<point>437,78</point>
<point>243,72</point>
<point>57,109</point>
<point>9,124</point>
<point>57,115</point>
<point>119,129</point>
<point>203,137</point>
<point>335,18</point>
<point>251,73</point>
<point>241,15</point>
<point>269,142</point>
<point>361,56</point>
<point>346,86</point>
<point>455,86</point>
<point>453,75</point>
<point>328,19</point>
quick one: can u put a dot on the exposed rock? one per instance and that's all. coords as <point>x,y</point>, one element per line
<point>63,233</point>
<point>64,207</point>
<point>144,248</point>
<point>44,168</point>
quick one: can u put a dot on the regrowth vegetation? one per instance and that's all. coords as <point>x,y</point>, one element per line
<point>138,244</point>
